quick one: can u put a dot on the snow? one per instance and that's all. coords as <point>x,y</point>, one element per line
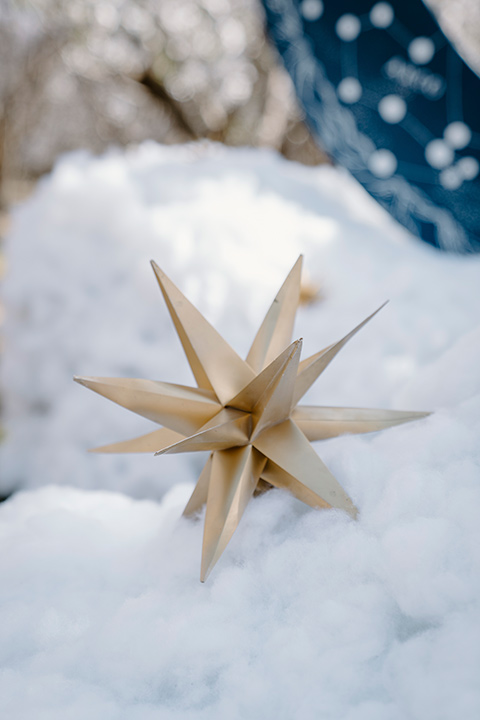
<point>308,614</point>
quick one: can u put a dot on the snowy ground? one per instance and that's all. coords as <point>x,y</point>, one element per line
<point>307,614</point>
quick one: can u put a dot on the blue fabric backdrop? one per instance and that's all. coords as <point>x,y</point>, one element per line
<point>389,98</point>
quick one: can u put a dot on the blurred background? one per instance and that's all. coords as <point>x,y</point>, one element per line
<point>91,74</point>
<point>95,73</point>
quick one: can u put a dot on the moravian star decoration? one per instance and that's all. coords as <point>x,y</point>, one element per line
<point>246,413</point>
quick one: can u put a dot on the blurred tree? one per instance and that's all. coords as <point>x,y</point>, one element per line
<point>91,73</point>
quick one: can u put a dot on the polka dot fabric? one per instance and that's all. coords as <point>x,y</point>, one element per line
<point>391,100</point>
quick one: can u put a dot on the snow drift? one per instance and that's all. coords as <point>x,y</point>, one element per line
<point>308,614</point>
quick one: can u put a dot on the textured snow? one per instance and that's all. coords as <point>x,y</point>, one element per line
<point>307,614</point>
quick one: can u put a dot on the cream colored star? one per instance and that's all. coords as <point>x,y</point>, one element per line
<point>246,413</point>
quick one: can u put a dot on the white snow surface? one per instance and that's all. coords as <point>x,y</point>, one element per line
<point>308,614</point>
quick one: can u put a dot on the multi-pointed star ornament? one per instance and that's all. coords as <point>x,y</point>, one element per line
<point>246,413</point>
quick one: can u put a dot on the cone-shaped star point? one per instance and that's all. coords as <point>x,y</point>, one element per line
<point>232,429</point>
<point>276,330</point>
<point>199,496</point>
<point>311,368</point>
<point>149,443</point>
<point>276,406</point>
<point>214,363</point>
<point>234,476</point>
<point>178,407</point>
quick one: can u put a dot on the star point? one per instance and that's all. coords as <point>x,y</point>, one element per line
<point>246,413</point>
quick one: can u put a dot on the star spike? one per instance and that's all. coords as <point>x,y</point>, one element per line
<point>199,496</point>
<point>245,415</point>
<point>311,368</point>
<point>287,447</point>
<point>180,408</point>
<point>149,443</point>
<point>231,429</point>
<point>276,330</point>
<point>214,363</point>
<point>259,390</point>
<point>276,406</point>
<point>320,423</point>
<point>234,476</point>
<point>274,475</point>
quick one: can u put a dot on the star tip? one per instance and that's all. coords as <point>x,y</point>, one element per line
<point>352,510</point>
<point>298,266</point>
<point>157,269</point>
<point>379,308</point>
<point>205,572</point>
<point>80,380</point>
<point>418,415</point>
<point>294,347</point>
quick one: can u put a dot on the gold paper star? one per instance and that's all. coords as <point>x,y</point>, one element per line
<point>246,413</point>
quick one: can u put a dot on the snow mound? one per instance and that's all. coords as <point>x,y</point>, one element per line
<point>307,614</point>
<point>226,225</point>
